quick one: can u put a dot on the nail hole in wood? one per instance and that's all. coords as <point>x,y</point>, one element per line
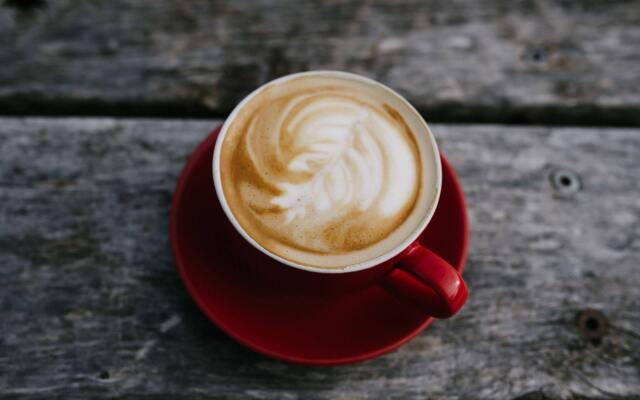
<point>565,181</point>
<point>537,55</point>
<point>104,374</point>
<point>592,325</point>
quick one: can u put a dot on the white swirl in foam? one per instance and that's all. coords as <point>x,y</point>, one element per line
<point>355,159</point>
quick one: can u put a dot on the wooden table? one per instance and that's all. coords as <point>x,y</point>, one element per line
<point>91,305</point>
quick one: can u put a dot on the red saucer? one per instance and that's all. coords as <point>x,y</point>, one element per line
<point>312,328</point>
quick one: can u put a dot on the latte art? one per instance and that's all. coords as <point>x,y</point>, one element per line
<point>342,149</point>
<point>321,171</point>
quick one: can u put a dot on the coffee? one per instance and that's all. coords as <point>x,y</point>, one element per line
<point>328,170</point>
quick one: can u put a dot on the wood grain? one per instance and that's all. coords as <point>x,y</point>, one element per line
<point>529,61</point>
<point>91,306</point>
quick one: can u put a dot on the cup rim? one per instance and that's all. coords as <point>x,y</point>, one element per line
<point>337,270</point>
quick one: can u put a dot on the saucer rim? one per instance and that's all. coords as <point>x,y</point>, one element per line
<point>181,266</point>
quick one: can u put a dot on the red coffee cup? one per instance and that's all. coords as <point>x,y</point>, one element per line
<point>411,272</point>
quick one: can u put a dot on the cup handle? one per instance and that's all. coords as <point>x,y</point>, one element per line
<point>424,279</point>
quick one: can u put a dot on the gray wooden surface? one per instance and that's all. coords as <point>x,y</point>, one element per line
<point>92,307</point>
<point>90,303</point>
<point>490,60</point>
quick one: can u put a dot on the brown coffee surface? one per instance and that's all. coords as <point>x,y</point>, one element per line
<point>324,171</point>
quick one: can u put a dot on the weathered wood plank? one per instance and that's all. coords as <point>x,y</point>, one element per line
<point>489,60</point>
<point>91,306</point>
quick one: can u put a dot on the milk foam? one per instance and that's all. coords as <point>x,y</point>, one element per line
<point>324,171</point>
<point>355,159</point>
